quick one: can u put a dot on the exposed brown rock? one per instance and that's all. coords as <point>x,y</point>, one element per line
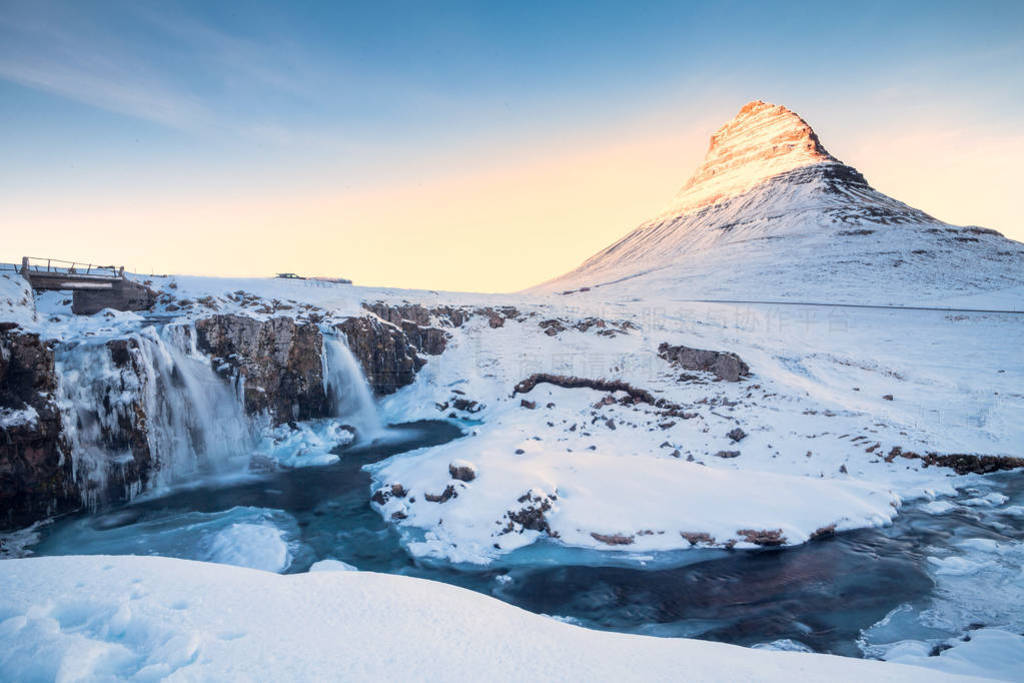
<point>724,364</point>
<point>737,434</point>
<point>635,395</point>
<point>763,537</point>
<point>612,539</point>
<point>389,359</point>
<point>467,405</point>
<point>462,472</point>
<point>279,358</point>
<point>961,463</point>
<point>695,537</point>
<point>531,516</point>
<point>443,497</point>
<point>552,327</point>
<point>36,480</point>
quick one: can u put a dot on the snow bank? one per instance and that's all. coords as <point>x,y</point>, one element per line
<point>73,618</point>
<point>331,565</point>
<point>988,652</point>
<point>16,301</point>
<point>606,499</point>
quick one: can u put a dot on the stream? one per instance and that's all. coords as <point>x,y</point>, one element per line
<point>942,569</point>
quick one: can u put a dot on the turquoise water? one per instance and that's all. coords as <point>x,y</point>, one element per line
<point>824,594</point>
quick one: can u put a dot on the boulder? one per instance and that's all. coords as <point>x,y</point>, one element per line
<point>724,365</point>
<point>462,470</point>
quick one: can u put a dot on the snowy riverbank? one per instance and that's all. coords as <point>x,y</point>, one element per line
<point>145,618</point>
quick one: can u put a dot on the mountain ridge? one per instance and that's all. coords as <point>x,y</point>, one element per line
<point>770,212</point>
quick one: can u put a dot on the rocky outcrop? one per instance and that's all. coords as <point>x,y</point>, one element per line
<point>723,364</point>
<point>389,358</point>
<point>279,358</point>
<point>763,537</point>
<point>396,314</point>
<point>961,463</point>
<point>441,316</point>
<point>36,478</point>
<point>634,394</point>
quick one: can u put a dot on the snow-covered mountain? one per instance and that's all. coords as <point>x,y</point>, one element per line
<point>770,214</point>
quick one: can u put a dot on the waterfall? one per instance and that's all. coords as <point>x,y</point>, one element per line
<point>195,419</point>
<point>162,391</point>
<point>346,388</point>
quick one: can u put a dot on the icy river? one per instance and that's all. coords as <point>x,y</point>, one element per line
<point>943,572</point>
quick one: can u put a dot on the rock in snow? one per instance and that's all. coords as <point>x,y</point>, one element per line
<point>150,618</point>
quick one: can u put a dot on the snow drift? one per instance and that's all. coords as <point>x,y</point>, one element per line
<point>147,618</point>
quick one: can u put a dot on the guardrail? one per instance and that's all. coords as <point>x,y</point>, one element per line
<point>37,264</point>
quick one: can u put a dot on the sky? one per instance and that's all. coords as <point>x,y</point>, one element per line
<point>466,146</point>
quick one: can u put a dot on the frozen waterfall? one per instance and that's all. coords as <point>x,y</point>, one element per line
<point>161,392</point>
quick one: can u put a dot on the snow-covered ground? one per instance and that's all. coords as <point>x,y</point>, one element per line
<point>832,391</point>
<point>616,478</point>
<point>149,618</point>
<point>814,411</point>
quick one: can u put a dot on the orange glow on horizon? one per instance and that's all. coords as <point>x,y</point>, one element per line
<point>501,225</point>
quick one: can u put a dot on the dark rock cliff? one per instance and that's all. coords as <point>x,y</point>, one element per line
<point>35,476</point>
<point>390,360</point>
<point>389,343</point>
<point>279,359</point>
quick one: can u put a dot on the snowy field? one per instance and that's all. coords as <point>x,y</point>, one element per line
<point>832,390</point>
<point>146,618</point>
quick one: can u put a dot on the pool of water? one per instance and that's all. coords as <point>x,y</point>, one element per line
<point>846,595</point>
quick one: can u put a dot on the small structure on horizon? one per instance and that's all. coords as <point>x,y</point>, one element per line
<point>295,276</point>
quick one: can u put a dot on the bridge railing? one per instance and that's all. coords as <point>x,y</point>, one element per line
<point>37,264</point>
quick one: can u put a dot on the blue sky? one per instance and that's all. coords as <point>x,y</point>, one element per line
<point>190,103</point>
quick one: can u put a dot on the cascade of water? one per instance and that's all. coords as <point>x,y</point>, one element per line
<point>347,389</point>
<point>191,419</point>
<point>195,420</point>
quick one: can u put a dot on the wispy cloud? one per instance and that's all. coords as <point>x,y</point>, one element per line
<point>45,48</point>
<point>89,58</point>
<point>106,92</point>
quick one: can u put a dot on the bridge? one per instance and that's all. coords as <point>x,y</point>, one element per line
<point>94,287</point>
<point>46,274</point>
